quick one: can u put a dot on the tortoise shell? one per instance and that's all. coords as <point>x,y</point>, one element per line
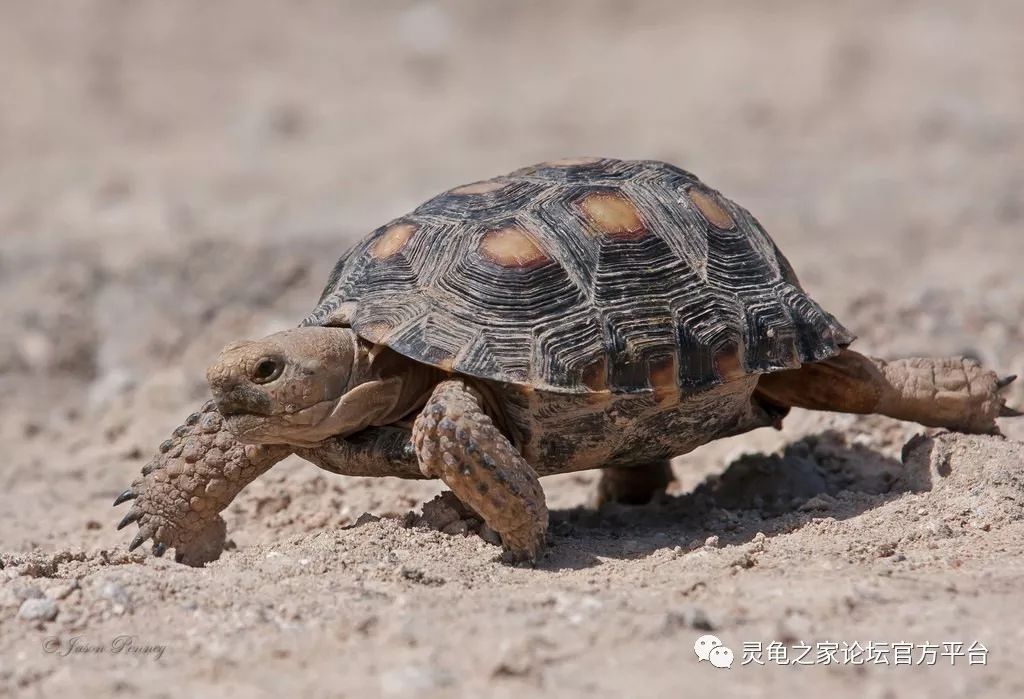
<point>582,276</point>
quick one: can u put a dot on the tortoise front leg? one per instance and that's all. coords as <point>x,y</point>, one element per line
<point>378,451</point>
<point>954,393</point>
<point>458,443</point>
<point>182,490</point>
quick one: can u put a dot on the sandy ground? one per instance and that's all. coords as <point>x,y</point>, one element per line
<point>174,176</point>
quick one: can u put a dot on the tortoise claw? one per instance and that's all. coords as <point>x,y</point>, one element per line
<point>139,539</point>
<point>132,516</point>
<point>159,549</point>
<point>127,495</point>
<point>1005,381</point>
<point>1007,411</point>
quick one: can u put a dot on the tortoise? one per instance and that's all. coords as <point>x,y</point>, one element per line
<point>577,314</point>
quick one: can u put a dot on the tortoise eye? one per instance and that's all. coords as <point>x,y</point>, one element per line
<point>267,370</point>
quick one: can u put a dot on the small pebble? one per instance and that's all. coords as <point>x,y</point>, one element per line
<point>712,542</point>
<point>118,596</point>
<point>38,609</point>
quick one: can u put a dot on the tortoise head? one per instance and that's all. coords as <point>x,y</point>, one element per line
<point>298,386</point>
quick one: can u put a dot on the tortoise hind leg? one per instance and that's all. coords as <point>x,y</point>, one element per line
<point>458,443</point>
<point>954,393</point>
<point>634,485</point>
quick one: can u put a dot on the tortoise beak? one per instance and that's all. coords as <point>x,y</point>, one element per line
<point>235,397</point>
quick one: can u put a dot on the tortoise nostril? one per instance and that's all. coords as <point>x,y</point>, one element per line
<point>266,370</point>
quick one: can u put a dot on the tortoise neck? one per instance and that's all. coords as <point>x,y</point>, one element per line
<point>417,380</point>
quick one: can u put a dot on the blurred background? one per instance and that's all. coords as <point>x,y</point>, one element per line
<point>173,175</point>
<point>176,175</point>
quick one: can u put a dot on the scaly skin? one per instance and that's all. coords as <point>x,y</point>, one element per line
<point>954,393</point>
<point>195,475</point>
<point>458,443</point>
<point>376,452</point>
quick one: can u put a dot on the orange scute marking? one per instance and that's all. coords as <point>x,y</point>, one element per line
<point>482,187</point>
<point>595,375</point>
<point>729,363</point>
<point>612,214</point>
<point>711,208</point>
<point>392,240</point>
<point>663,375</point>
<point>512,247</point>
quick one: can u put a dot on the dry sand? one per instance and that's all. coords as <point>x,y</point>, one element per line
<point>174,176</point>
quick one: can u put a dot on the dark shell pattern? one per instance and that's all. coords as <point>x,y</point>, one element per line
<point>582,276</point>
